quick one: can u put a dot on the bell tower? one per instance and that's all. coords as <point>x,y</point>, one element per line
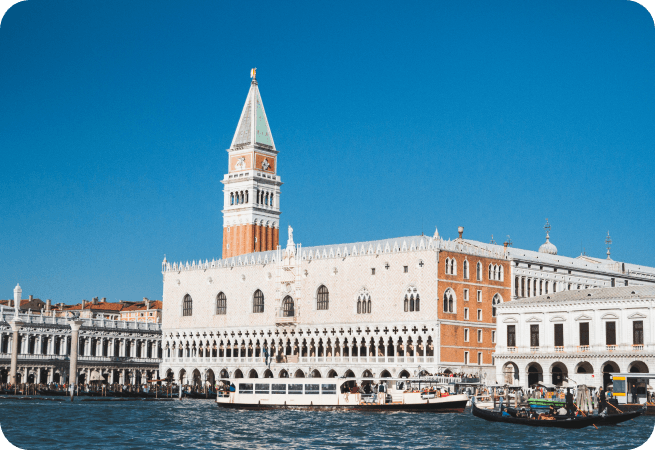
<point>251,212</point>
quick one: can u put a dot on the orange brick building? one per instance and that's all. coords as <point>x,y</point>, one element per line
<point>252,186</point>
<point>471,282</point>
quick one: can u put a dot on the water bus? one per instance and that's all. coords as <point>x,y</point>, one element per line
<point>370,394</point>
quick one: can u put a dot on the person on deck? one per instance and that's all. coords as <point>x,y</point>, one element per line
<point>569,401</point>
<point>602,401</point>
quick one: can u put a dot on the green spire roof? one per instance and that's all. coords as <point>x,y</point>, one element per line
<point>253,125</point>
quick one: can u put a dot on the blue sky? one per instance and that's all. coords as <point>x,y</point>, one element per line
<point>390,118</point>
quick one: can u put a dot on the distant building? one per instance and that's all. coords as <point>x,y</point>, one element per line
<point>145,311</point>
<point>577,335</point>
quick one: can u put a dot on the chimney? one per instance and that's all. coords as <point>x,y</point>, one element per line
<point>95,300</point>
<point>460,230</point>
<point>147,302</point>
<point>31,298</point>
<point>505,244</point>
<point>104,299</point>
<point>48,305</point>
<point>83,304</point>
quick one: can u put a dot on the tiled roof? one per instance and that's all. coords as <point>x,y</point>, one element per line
<point>141,306</point>
<point>615,293</point>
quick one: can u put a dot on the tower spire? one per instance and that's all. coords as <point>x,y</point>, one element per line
<point>251,210</point>
<point>608,242</point>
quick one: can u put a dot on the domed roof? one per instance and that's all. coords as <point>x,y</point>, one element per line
<point>548,247</point>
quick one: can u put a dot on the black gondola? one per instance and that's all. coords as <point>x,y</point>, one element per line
<point>562,422</point>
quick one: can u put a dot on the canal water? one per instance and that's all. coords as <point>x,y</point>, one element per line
<point>42,424</point>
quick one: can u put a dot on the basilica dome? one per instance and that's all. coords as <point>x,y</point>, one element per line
<point>548,247</point>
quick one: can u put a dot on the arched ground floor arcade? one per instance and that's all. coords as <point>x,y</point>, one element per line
<point>569,370</point>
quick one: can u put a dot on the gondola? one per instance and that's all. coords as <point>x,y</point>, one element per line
<point>561,422</point>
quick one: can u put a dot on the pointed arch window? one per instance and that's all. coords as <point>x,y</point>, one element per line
<point>453,267</point>
<point>447,266</point>
<point>287,307</point>
<point>258,302</point>
<point>412,300</point>
<point>497,300</point>
<point>490,272</point>
<point>187,306</point>
<point>478,271</point>
<point>364,302</point>
<point>221,304</point>
<point>322,298</point>
<point>449,302</point>
<point>466,269</point>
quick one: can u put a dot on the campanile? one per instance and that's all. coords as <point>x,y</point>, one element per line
<point>251,212</point>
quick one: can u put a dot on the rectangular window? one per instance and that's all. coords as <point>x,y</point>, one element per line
<point>466,314</point>
<point>311,389</point>
<point>466,334</point>
<point>511,335</point>
<point>295,389</point>
<point>245,388</point>
<point>584,333</point>
<point>613,282</point>
<point>479,296</point>
<point>626,282</point>
<point>406,268</point>
<point>479,358</point>
<point>493,336</point>
<point>373,271</point>
<point>466,358</point>
<point>638,332</point>
<point>466,295</point>
<point>329,388</point>
<point>479,314</point>
<point>262,388</point>
<point>559,334</point>
<point>610,333</point>
<point>534,335</point>
<point>479,335</point>
<point>279,389</point>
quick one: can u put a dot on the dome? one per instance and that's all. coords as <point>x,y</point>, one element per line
<point>548,247</point>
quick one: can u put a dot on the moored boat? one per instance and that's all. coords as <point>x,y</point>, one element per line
<point>543,420</point>
<point>387,394</point>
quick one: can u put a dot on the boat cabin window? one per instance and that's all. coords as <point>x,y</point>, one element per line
<point>295,389</point>
<point>262,388</point>
<point>329,388</point>
<point>279,389</point>
<point>245,388</point>
<point>311,389</point>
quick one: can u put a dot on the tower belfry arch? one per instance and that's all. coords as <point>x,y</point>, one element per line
<point>251,212</point>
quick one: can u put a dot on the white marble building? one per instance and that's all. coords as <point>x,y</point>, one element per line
<point>120,351</point>
<point>580,334</point>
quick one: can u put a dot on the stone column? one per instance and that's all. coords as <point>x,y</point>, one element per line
<point>75,327</point>
<point>15,326</point>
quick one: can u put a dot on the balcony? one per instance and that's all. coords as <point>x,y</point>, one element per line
<point>559,349</point>
<point>534,349</point>
<point>637,347</point>
<point>583,348</point>
<point>610,348</point>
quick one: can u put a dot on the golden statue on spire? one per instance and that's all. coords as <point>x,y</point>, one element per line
<point>253,73</point>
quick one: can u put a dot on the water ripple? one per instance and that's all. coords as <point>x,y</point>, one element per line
<point>192,424</point>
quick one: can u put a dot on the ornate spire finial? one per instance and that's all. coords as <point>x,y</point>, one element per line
<point>547,228</point>
<point>492,240</point>
<point>253,74</point>
<point>508,241</point>
<point>608,242</point>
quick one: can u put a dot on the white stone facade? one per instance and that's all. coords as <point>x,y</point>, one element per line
<point>122,352</point>
<point>600,331</point>
<point>387,337</point>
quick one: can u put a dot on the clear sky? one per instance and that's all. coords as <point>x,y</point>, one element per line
<point>391,118</point>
